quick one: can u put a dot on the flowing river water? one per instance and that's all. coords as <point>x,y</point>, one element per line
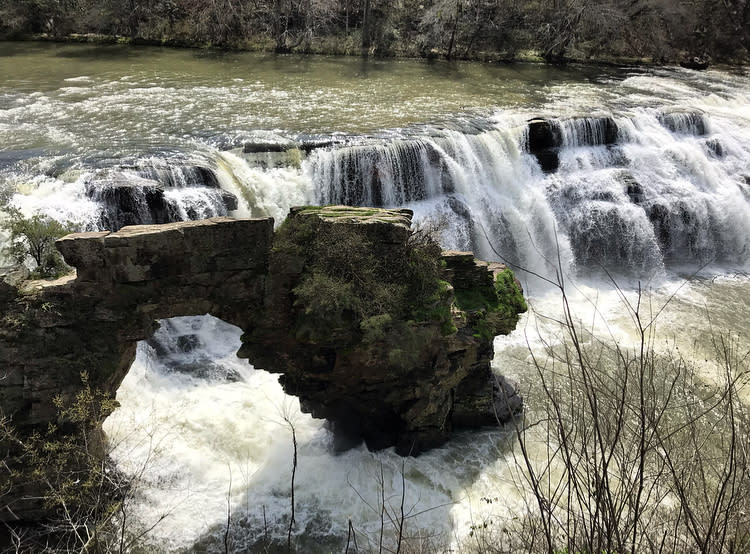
<point>651,190</point>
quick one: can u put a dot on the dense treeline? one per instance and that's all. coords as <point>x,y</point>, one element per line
<point>661,30</point>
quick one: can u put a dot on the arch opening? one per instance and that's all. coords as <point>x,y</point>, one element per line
<point>203,434</point>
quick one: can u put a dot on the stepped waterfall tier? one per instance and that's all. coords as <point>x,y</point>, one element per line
<point>603,189</point>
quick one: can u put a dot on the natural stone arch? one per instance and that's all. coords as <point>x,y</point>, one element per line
<point>125,282</point>
<point>228,268</point>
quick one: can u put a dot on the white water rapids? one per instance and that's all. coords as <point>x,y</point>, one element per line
<point>207,435</point>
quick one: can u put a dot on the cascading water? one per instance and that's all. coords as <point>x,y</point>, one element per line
<point>632,194</point>
<point>644,174</point>
<point>629,193</point>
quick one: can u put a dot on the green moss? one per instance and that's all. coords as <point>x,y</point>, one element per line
<point>351,291</point>
<point>470,300</point>
<point>438,309</point>
<point>348,289</point>
<point>376,328</point>
<point>493,310</point>
<point>509,294</point>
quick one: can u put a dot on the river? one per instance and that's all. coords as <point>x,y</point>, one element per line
<point>650,190</point>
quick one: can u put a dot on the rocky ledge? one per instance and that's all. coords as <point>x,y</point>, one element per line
<point>380,333</point>
<point>369,324</point>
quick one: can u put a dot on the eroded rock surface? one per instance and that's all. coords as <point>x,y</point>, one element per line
<point>404,374</point>
<point>388,339</point>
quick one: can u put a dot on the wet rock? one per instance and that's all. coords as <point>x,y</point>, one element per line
<point>129,202</point>
<point>592,131</point>
<point>715,147</point>
<point>698,63</point>
<point>204,369</point>
<point>258,147</point>
<point>543,134</point>
<point>308,143</point>
<point>188,343</point>
<point>544,141</point>
<point>230,200</point>
<point>633,188</point>
<point>549,160</point>
<point>181,176</point>
<point>659,216</point>
<point>684,123</point>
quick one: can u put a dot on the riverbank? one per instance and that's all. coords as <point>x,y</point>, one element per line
<point>350,46</point>
<point>706,32</point>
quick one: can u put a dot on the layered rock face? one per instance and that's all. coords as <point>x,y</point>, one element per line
<point>409,366</point>
<point>50,332</point>
<point>384,336</point>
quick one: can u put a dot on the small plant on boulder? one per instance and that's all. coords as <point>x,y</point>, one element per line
<point>34,237</point>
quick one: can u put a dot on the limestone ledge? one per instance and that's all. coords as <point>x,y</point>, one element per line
<point>51,332</point>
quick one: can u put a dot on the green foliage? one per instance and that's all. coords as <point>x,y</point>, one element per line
<point>493,310</point>
<point>67,456</point>
<point>35,238</point>
<point>349,289</point>
<point>437,309</point>
<point>67,463</point>
<point>375,328</point>
<point>475,299</point>
<point>509,295</point>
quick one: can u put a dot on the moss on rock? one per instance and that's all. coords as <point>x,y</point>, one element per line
<point>488,294</point>
<point>358,276</point>
<point>378,331</point>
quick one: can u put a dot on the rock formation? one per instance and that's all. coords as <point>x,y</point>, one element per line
<point>403,373</point>
<point>380,333</point>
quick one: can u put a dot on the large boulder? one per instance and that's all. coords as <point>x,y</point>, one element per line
<point>388,339</point>
<point>544,139</point>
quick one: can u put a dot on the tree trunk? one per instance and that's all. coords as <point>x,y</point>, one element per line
<point>278,31</point>
<point>453,31</point>
<point>366,27</point>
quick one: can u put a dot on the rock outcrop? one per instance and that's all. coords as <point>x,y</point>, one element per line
<point>387,338</point>
<point>140,195</point>
<point>411,364</point>
<point>545,137</point>
<point>51,332</point>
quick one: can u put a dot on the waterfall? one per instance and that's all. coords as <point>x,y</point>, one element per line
<point>635,191</point>
<point>642,174</point>
<point>146,191</point>
<point>630,194</point>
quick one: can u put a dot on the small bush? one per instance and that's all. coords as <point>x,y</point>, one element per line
<point>67,464</point>
<point>349,289</point>
<point>34,238</point>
